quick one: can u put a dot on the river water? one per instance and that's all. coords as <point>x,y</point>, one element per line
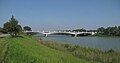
<point>102,43</point>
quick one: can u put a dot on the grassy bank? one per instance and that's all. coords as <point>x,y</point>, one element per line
<point>27,49</point>
<point>109,56</point>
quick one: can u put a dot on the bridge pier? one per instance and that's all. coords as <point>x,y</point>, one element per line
<point>75,35</point>
<point>45,35</point>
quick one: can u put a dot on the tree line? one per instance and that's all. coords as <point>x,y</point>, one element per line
<point>109,31</point>
<point>13,28</point>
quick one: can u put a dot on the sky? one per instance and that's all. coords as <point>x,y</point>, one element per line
<point>61,14</point>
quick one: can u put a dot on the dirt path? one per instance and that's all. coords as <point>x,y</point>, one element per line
<point>4,35</point>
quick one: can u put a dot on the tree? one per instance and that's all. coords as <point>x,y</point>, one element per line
<point>118,30</point>
<point>0,29</point>
<point>101,30</point>
<point>12,27</point>
<point>27,28</point>
<point>80,30</point>
<point>119,27</point>
<point>109,31</point>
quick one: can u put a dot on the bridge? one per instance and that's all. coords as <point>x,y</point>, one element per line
<point>75,34</point>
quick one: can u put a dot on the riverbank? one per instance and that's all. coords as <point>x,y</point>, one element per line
<point>28,49</point>
<point>101,43</point>
<point>109,56</point>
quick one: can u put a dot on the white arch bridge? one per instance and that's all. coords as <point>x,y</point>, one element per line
<point>75,34</point>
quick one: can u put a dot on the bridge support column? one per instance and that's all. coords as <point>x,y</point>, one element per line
<point>75,35</point>
<point>46,35</point>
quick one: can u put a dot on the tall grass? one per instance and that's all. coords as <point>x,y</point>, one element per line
<point>27,49</point>
<point>110,56</point>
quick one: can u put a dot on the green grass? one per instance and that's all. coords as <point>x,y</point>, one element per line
<point>109,56</point>
<point>29,50</point>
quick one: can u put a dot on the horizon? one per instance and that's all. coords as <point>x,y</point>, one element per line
<point>61,14</point>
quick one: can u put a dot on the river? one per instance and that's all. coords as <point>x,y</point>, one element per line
<point>102,43</point>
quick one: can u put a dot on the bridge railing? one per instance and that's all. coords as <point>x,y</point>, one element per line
<point>58,31</point>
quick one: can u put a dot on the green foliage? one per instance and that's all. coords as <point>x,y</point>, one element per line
<point>101,30</point>
<point>79,30</point>
<point>109,31</point>
<point>27,28</point>
<point>66,45</point>
<point>110,51</point>
<point>83,30</point>
<point>12,27</point>
<point>27,49</point>
<point>109,56</point>
<point>0,29</point>
<point>3,30</point>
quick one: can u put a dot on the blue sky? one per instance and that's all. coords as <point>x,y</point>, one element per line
<point>61,14</point>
